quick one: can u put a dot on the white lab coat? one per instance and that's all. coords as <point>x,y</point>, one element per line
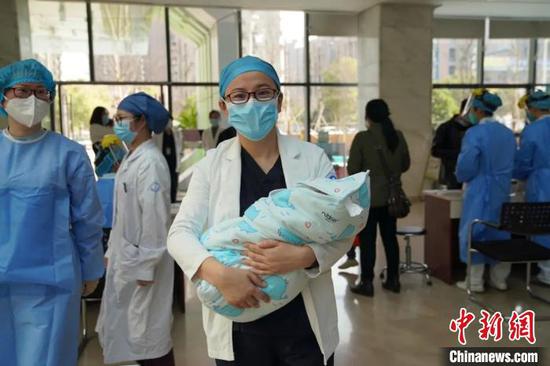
<point>209,139</point>
<point>213,197</point>
<point>135,322</point>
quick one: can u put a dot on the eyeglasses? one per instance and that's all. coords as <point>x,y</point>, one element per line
<point>118,119</point>
<point>40,93</point>
<point>261,95</point>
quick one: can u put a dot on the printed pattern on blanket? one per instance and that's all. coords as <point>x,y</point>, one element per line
<point>318,211</point>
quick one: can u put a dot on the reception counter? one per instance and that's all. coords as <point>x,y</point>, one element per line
<point>442,216</point>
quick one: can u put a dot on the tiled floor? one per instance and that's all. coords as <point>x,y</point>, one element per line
<point>389,329</point>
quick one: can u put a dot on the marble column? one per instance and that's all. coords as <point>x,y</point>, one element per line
<point>15,39</point>
<point>395,63</point>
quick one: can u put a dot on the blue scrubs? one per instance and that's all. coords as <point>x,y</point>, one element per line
<point>533,165</point>
<point>50,225</point>
<point>485,163</point>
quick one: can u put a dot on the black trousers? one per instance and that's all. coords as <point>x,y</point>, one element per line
<point>379,217</point>
<point>351,253</point>
<point>267,350</point>
<point>166,360</point>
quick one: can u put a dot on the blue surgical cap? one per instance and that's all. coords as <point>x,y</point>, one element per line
<point>487,101</point>
<point>539,100</point>
<point>142,104</point>
<point>26,71</point>
<point>244,65</point>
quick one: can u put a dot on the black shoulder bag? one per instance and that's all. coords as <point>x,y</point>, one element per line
<point>399,205</point>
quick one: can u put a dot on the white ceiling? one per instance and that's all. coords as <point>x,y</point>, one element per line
<point>535,9</point>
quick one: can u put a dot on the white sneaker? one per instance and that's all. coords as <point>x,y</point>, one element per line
<point>478,288</point>
<point>501,286</point>
<point>350,262</point>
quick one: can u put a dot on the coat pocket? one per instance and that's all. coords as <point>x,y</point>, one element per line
<point>139,311</point>
<point>129,256</point>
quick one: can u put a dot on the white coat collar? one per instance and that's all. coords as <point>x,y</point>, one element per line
<point>147,145</point>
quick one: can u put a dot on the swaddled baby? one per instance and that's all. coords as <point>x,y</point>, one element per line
<point>319,211</point>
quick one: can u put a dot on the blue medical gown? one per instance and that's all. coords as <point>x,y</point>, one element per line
<point>106,192</point>
<point>532,164</point>
<point>485,163</point>
<point>50,241</point>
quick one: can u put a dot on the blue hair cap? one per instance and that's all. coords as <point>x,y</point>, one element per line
<point>26,71</point>
<point>142,104</point>
<point>488,102</point>
<point>539,99</point>
<point>243,65</point>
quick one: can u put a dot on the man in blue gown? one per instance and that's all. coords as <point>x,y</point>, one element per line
<point>50,226</point>
<point>485,165</point>
<point>532,162</point>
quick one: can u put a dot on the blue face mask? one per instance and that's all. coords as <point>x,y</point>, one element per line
<point>472,118</point>
<point>530,117</point>
<point>214,122</point>
<point>105,120</point>
<point>254,120</point>
<point>123,132</point>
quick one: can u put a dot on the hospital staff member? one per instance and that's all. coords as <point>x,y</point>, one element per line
<point>50,226</point>
<point>210,135</point>
<point>533,160</point>
<point>485,164</point>
<point>136,312</point>
<point>224,184</point>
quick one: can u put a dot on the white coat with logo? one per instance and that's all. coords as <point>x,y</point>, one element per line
<point>135,322</point>
<point>213,197</point>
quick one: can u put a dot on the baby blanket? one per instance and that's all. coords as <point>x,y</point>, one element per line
<point>319,211</point>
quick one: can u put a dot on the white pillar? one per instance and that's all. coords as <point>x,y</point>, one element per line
<point>395,46</point>
<point>15,39</point>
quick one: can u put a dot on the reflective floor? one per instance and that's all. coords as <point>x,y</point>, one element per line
<point>390,329</point>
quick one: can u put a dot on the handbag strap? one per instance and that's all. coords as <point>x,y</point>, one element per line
<point>385,166</point>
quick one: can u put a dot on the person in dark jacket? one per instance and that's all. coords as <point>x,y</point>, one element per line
<point>226,134</point>
<point>169,151</point>
<point>446,146</point>
<point>364,155</point>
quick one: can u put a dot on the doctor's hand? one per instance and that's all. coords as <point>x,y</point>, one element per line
<point>275,257</point>
<point>241,288</point>
<point>88,287</point>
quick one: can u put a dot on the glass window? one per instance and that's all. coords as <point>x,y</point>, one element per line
<point>79,101</point>
<point>455,61</point>
<point>333,59</point>
<point>506,61</point>
<point>277,37</point>
<point>292,119</point>
<point>543,61</point>
<point>191,105</point>
<point>193,34</point>
<point>334,120</point>
<point>129,42</point>
<point>446,103</point>
<point>509,113</point>
<point>59,36</point>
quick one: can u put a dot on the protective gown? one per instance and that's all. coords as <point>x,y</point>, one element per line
<point>485,164</point>
<point>533,164</point>
<point>50,241</point>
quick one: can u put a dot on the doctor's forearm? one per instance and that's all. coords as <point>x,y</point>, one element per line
<point>210,271</point>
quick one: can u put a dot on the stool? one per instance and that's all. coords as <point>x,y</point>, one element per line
<point>409,266</point>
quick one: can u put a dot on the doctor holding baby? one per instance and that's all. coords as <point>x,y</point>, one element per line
<point>225,183</point>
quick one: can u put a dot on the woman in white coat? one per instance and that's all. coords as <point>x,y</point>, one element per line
<point>231,177</point>
<point>136,312</point>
